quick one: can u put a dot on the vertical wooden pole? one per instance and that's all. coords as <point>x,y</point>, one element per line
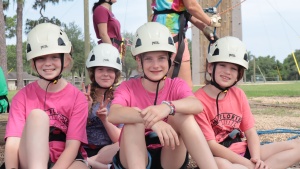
<point>86,37</point>
<point>231,26</point>
<point>149,10</point>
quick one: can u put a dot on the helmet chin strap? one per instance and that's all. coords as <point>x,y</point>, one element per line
<point>95,84</point>
<point>222,90</point>
<point>157,81</point>
<point>55,79</point>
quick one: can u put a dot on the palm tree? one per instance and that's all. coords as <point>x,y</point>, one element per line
<point>3,52</point>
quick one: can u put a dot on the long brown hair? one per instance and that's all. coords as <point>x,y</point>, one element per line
<point>94,88</point>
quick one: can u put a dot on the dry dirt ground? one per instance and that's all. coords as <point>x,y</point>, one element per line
<point>270,113</point>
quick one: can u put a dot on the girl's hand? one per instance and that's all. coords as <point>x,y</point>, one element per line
<point>166,134</point>
<point>153,114</point>
<point>102,111</point>
<point>259,164</point>
<point>87,93</point>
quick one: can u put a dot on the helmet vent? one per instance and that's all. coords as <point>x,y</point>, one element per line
<point>28,48</point>
<point>216,52</point>
<point>138,43</point>
<point>92,58</point>
<point>246,57</point>
<point>60,42</point>
<point>118,60</point>
<point>170,41</point>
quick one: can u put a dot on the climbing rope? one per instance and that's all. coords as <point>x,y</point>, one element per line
<point>277,131</point>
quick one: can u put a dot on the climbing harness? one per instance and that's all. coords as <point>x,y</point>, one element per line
<point>184,17</point>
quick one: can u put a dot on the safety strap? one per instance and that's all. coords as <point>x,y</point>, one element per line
<point>116,41</point>
<point>184,17</point>
<point>233,137</point>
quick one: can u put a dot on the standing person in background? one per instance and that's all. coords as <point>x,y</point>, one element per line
<point>106,26</point>
<point>47,119</point>
<point>174,15</point>
<point>4,104</point>
<point>104,67</point>
<point>227,117</point>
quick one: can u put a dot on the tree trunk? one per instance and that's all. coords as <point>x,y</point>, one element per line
<point>3,52</point>
<point>20,83</point>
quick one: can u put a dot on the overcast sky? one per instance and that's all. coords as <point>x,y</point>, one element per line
<point>270,27</point>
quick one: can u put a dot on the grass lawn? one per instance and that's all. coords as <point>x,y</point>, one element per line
<point>290,89</point>
<point>11,94</point>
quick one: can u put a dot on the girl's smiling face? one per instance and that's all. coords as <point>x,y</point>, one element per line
<point>48,66</point>
<point>105,76</point>
<point>226,74</point>
<point>155,64</point>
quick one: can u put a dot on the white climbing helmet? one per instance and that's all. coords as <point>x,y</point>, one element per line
<point>228,49</point>
<point>47,38</point>
<point>152,36</point>
<point>104,54</point>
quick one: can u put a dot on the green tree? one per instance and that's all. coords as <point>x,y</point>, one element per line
<point>76,37</point>
<point>129,63</point>
<point>290,70</point>
<point>41,6</point>
<point>10,26</point>
<point>266,65</point>
<point>11,59</point>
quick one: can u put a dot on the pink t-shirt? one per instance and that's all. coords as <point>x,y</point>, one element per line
<point>234,113</point>
<point>67,110</point>
<point>131,93</point>
<point>103,15</point>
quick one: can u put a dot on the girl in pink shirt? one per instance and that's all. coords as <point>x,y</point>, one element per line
<point>156,105</point>
<point>47,120</point>
<point>227,117</point>
<point>106,25</point>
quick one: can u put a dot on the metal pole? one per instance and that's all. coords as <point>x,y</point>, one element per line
<point>254,76</point>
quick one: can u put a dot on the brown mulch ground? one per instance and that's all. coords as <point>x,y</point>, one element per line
<point>269,112</point>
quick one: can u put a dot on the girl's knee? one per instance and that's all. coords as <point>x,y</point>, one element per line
<point>39,114</point>
<point>296,143</point>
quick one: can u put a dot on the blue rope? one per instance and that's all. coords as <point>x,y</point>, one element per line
<point>280,130</point>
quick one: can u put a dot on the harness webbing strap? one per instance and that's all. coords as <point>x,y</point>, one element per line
<point>181,47</point>
<point>184,17</point>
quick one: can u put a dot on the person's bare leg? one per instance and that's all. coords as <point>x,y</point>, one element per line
<point>34,144</point>
<point>177,156</point>
<point>225,164</point>
<point>133,151</point>
<point>281,154</point>
<point>194,140</point>
<point>104,156</point>
<point>78,165</point>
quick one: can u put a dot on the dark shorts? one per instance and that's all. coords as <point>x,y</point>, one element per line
<point>153,160</point>
<point>247,154</point>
